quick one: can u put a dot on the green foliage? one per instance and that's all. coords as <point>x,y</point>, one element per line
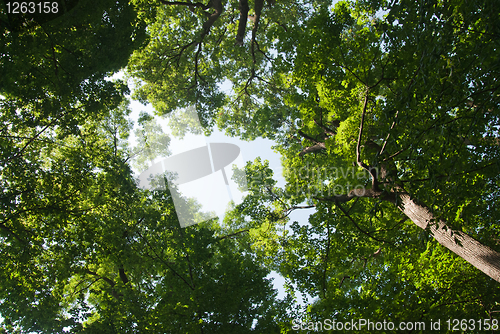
<point>182,68</point>
<point>68,56</point>
<point>86,251</point>
<point>417,74</point>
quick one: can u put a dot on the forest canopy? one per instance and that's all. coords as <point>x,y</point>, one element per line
<point>385,114</point>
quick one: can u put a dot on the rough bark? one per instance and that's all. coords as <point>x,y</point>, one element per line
<point>480,256</point>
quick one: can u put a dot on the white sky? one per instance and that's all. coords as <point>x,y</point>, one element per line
<point>249,151</point>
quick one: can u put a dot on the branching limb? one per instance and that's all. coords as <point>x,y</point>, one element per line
<point>306,136</point>
<point>165,262</point>
<point>107,280</point>
<point>259,4</point>
<point>342,280</point>
<point>328,131</point>
<point>318,145</point>
<point>14,234</point>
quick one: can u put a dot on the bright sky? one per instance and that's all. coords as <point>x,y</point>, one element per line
<point>249,151</point>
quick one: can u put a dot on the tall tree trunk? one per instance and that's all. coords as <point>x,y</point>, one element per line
<point>480,256</point>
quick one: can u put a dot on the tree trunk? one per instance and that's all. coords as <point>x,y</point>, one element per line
<point>480,256</point>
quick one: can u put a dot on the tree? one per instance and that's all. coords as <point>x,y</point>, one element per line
<point>84,249</point>
<point>398,127</point>
<point>87,251</point>
<point>446,109</point>
<point>228,42</point>
<point>378,67</point>
<point>386,116</point>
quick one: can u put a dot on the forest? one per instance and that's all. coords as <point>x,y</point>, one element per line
<point>386,115</point>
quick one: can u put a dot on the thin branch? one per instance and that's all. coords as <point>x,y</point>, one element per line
<point>360,163</point>
<point>183,3</point>
<point>328,131</point>
<point>32,140</point>
<point>263,53</point>
<point>165,262</point>
<point>107,280</point>
<point>311,149</point>
<point>190,267</point>
<point>301,207</point>
<point>85,288</point>
<point>388,134</point>
<point>234,234</point>
<point>306,136</point>
<point>14,234</point>
<point>348,69</point>
<point>342,281</point>
<point>356,224</point>
<point>258,5</point>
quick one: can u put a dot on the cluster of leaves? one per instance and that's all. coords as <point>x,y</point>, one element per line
<point>84,249</point>
<point>390,98</point>
<point>413,76</point>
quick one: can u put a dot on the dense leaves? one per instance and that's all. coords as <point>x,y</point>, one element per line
<point>408,96</point>
<point>386,115</point>
<point>84,250</point>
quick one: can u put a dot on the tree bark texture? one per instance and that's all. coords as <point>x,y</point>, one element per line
<point>480,256</point>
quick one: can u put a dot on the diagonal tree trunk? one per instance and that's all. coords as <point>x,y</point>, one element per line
<point>480,256</point>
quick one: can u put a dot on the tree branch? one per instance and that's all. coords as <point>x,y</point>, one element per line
<point>360,163</point>
<point>233,234</point>
<point>217,6</point>
<point>107,280</point>
<point>165,262</point>
<point>311,149</point>
<point>328,131</point>
<point>187,3</point>
<point>356,224</point>
<point>240,34</point>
